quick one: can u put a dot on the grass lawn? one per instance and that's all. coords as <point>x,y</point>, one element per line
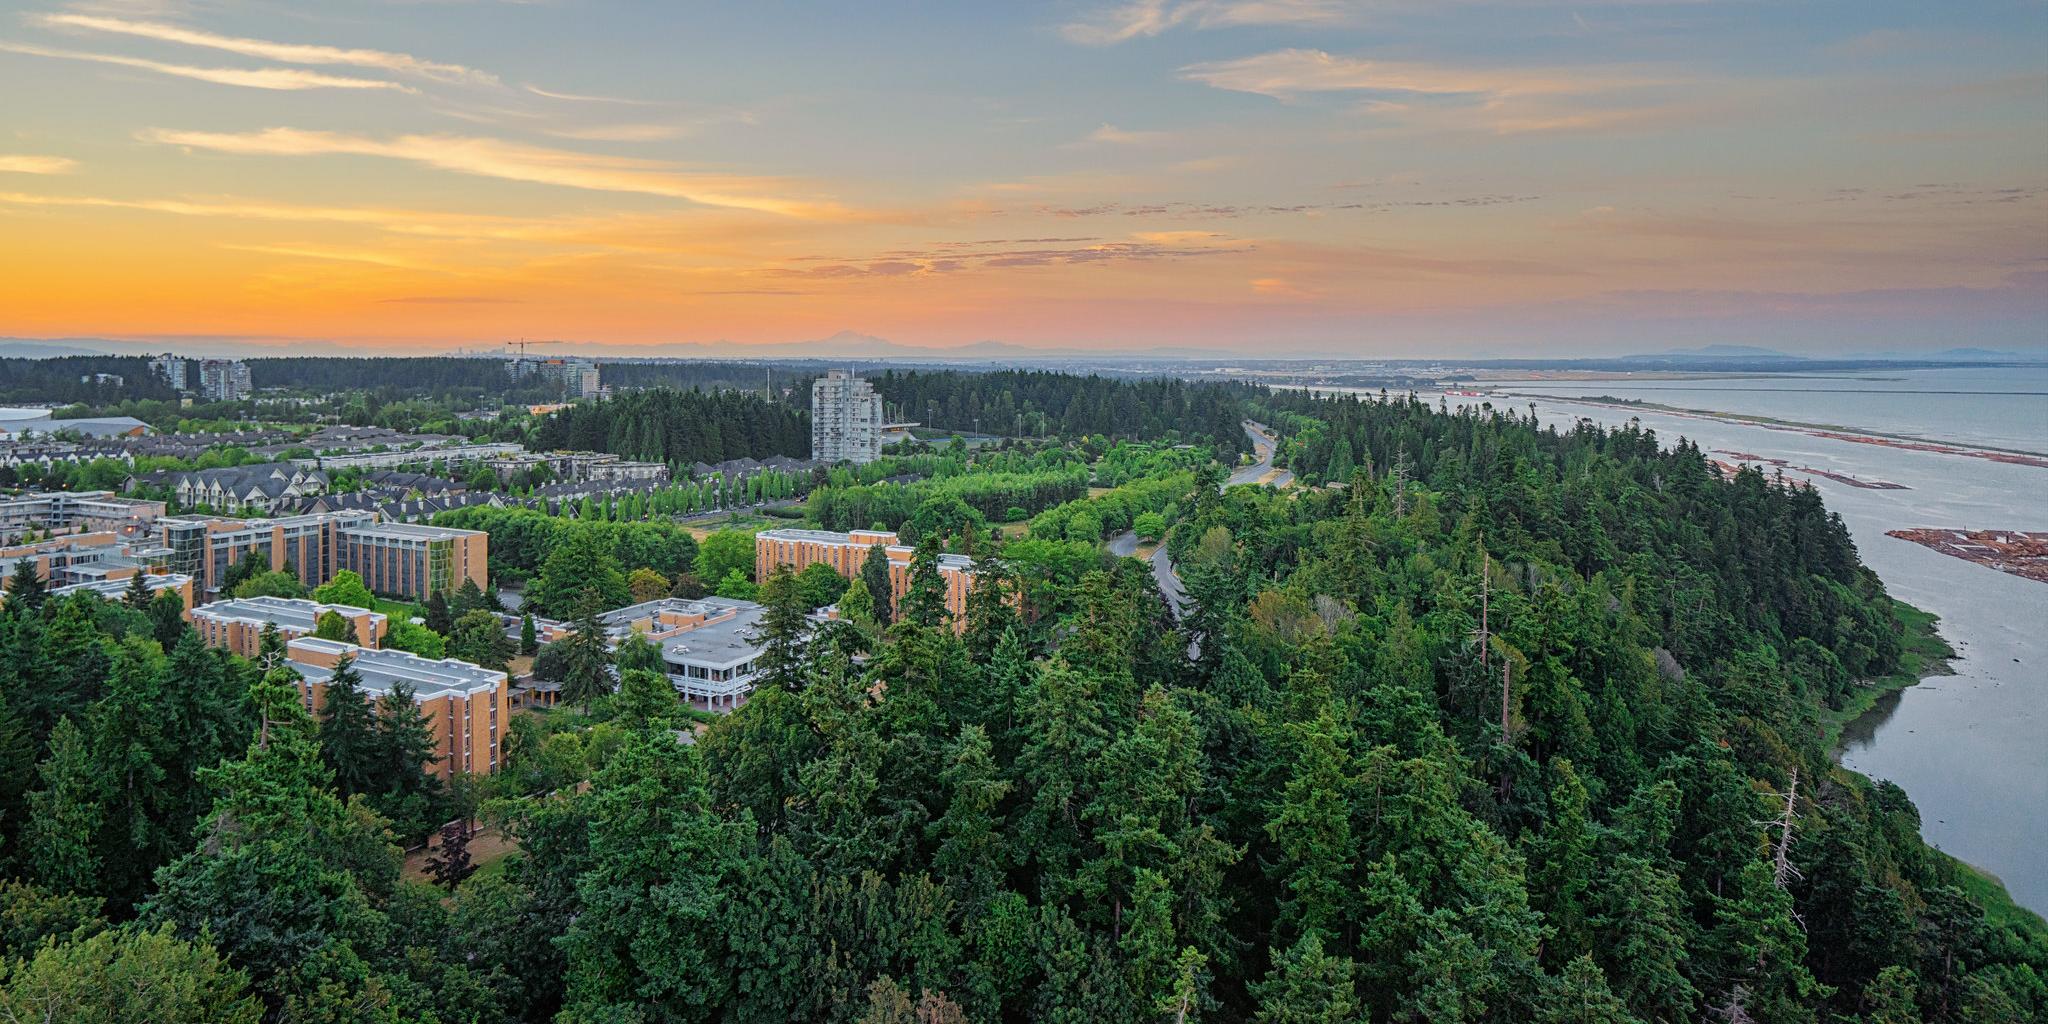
<point>700,529</point>
<point>1926,654</point>
<point>397,610</point>
<point>488,849</point>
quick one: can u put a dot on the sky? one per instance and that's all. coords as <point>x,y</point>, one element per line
<point>1264,177</point>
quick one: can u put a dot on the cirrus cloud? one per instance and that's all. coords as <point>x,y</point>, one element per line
<point>22,163</point>
<point>285,79</point>
<point>288,53</point>
<point>1140,18</point>
<point>512,161</point>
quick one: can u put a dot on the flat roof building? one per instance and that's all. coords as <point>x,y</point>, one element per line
<point>710,645</point>
<point>466,706</point>
<point>392,558</point>
<point>847,553</point>
<point>70,510</point>
<point>237,625</point>
<point>115,589</point>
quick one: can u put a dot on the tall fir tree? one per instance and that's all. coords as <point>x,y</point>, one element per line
<point>874,572</point>
<point>350,742</point>
<point>60,846</point>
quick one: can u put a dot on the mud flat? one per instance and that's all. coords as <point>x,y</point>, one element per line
<point>1840,478</point>
<point>2019,552</point>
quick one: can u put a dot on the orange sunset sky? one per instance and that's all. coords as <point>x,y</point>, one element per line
<point>1269,177</point>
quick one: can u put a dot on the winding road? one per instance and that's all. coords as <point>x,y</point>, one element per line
<point>1125,544</point>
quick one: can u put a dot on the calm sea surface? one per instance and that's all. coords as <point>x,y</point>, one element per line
<point>1969,747</point>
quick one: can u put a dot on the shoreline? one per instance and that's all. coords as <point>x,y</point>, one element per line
<point>1908,442</point>
<point>1927,656</point>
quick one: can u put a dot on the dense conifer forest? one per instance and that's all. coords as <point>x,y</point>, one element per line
<point>667,425</point>
<point>1512,725</point>
<point>1042,403</point>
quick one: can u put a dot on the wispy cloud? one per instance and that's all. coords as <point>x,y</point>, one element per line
<point>26,164</point>
<point>587,97</point>
<point>412,222</point>
<point>621,132</point>
<point>1122,137</point>
<point>511,161</point>
<point>287,79</point>
<point>288,53</point>
<point>316,252</point>
<point>1285,74</point>
<point>1139,18</point>
<point>1500,100</point>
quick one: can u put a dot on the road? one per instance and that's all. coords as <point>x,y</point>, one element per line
<point>1263,445</point>
<point>1125,544</point>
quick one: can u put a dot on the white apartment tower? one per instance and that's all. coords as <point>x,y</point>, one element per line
<point>846,419</point>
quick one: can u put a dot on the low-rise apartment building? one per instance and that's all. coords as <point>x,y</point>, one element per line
<point>116,589</point>
<point>84,558</point>
<point>392,558</point>
<point>237,625</point>
<point>847,553</point>
<point>448,455</point>
<point>75,510</point>
<point>467,707</point>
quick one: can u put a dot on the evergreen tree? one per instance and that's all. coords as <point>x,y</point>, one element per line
<point>1306,986</point>
<point>468,598</point>
<point>529,638</point>
<point>924,603</point>
<point>785,623</point>
<point>874,572</point>
<point>857,605</point>
<point>284,877</point>
<point>586,660</point>
<point>348,734</point>
<point>60,846</point>
<point>138,593</point>
<point>644,699</point>
<point>167,618</point>
<point>437,614</point>
<point>17,769</point>
<point>25,586</point>
<point>125,975</point>
<point>405,742</point>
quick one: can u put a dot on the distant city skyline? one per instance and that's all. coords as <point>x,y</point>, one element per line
<point>1478,178</point>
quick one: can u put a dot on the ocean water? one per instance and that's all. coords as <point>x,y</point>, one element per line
<point>1998,407</point>
<point>1968,748</point>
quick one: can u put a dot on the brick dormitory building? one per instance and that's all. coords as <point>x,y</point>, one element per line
<point>847,553</point>
<point>467,707</point>
<point>401,559</point>
<point>237,625</point>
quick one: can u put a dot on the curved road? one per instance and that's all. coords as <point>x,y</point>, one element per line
<point>1263,444</point>
<point>1125,544</point>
